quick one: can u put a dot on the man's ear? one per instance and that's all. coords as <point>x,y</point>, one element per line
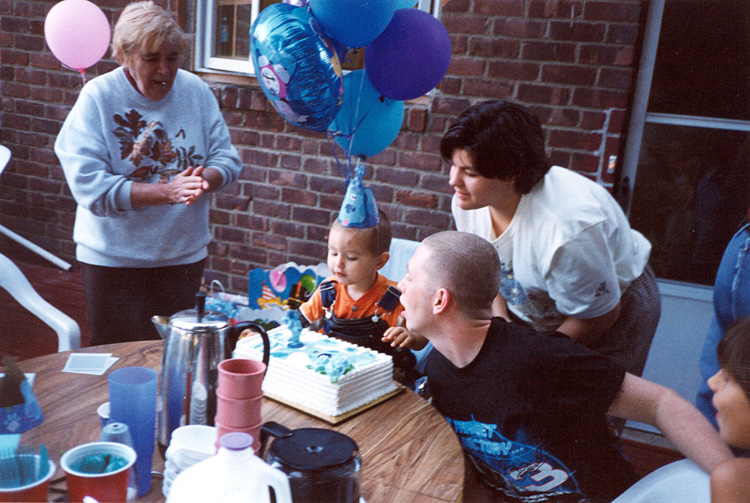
<point>440,300</point>
<point>382,260</point>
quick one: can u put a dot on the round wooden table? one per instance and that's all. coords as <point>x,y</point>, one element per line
<point>409,452</point>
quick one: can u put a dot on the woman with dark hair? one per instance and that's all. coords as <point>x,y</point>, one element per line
<point>730,480</point>
<point>570,260</point>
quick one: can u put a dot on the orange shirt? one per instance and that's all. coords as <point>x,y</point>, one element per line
<point>347,308</point>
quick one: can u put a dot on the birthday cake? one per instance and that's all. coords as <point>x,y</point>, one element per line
<point>320,373</point>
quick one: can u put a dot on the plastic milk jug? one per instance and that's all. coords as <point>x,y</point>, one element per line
<point>235,474</point>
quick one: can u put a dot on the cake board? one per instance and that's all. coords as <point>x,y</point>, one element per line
<point>334,420</point>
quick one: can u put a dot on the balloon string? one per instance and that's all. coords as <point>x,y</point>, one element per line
<point>354,129</point>
<point>348,171</point>
<point>82,71</point>
<point>329,137</point>
<point>331,134</point>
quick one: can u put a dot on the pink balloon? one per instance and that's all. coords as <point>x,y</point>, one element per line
<point>77,32</point>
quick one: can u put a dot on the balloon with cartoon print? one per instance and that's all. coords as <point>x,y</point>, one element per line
<point>297,67</point>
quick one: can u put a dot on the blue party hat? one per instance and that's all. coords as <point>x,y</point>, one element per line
<point>359,208</point>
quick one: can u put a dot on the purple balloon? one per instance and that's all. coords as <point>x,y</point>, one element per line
<point>410,57</point>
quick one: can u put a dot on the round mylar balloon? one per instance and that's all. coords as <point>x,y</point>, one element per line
<point>77,33</point>
<point>367,121</point>
<point>296,66</point>
<point>354,23</point>
<point>410,57</point>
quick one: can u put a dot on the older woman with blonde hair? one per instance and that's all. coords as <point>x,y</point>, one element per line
<point>140,149</point>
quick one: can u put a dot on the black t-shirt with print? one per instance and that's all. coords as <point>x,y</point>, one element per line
<point>530,412</point>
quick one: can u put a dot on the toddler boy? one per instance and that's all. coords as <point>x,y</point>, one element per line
<point>357,304</point>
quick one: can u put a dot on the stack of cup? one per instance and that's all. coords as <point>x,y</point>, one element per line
<point>188,445</point>
<point>132,400</point>
<point>239,398</point>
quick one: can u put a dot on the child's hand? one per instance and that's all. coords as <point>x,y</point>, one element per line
<point>403,338</point>
<point>397,336</point>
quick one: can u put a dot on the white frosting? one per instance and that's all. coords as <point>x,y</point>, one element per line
<point>291,375</point>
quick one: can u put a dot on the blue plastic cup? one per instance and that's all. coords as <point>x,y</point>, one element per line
<point>132,400</point>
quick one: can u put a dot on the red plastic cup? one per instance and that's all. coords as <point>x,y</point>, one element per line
<point>237,413</point>
<point>36,491</point>
<point>103,487</point>
<point>241,378</point>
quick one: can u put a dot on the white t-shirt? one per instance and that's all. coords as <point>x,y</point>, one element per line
<point>569,250</point>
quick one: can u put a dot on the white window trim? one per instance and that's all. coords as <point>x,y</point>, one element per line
<point>639,115</point>
<point>205,35</point>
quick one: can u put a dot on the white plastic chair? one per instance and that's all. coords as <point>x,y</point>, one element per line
<point>14,281</point>
<point>400,251</point>
<point>679,482</point>
<point>4,158</point>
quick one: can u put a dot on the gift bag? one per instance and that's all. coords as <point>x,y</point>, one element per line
<point>271,293</point>
<point>19,408</point>
<point>287,286</point>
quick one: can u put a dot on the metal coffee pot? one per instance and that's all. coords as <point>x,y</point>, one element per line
<point>195,341</point>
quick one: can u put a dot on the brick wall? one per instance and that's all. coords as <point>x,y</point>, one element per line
<point>572,62</point>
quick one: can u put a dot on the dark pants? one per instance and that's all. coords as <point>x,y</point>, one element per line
<point>120,301</point>
<point>629,340</point>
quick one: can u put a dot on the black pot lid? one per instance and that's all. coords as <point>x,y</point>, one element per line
<point>313,449</point>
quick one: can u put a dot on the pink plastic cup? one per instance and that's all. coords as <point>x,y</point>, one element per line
<point>237,413</point>
<point>253,431</point>
<point>241,378</point>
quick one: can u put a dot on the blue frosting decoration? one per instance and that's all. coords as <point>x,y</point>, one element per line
<point>359,208</point>
<point>326,356</point>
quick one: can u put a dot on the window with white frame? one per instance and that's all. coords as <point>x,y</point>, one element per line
<point>686,172</point>
<point>222,34</point>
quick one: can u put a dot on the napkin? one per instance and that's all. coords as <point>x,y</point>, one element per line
<point>89,363</point>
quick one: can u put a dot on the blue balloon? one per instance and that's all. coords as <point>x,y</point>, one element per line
<point>297,66</point>
<point>367,121</point>
<point>354,23</point>
<point>406,4</point>
<point>410,57</point>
